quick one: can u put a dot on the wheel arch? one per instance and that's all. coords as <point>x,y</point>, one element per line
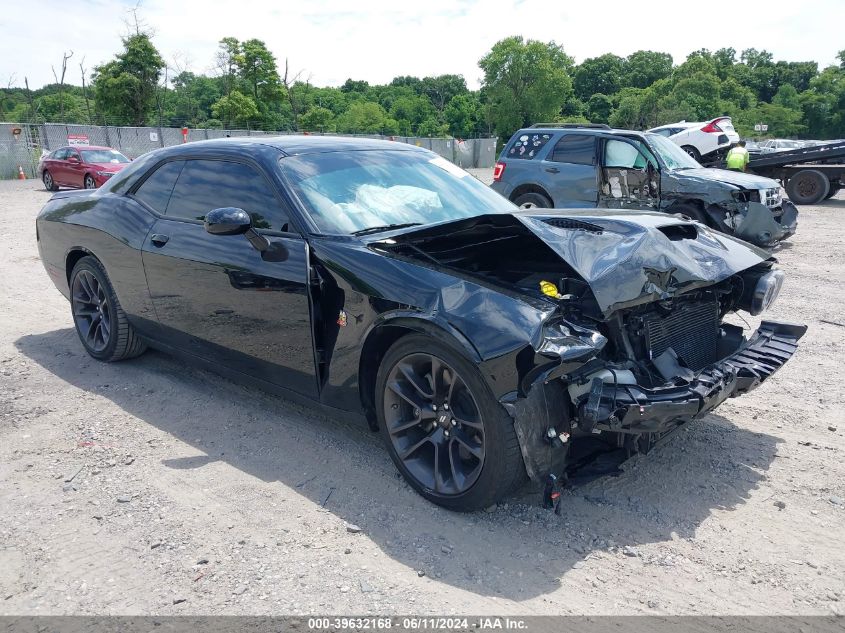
<point>384,333</point>
<point>74,254</point>
<point>694,202</point>
<point>530,187</point>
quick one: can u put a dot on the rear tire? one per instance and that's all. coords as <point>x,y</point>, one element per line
<point>833,191</point>
<point>49,183</point>
<point>100,322</point>
<point>808,186</point>
<point>692,151</point>
<point>533,201</point>
<point>458,445</point>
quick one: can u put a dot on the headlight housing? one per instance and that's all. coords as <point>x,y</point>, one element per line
<point>761,291</point>
<point>105,174</point>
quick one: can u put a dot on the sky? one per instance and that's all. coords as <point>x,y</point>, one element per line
<point>376,40</point>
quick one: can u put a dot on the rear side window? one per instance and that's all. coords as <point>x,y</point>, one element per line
<point>60,154</point>
<point>204,185</point>
<point>527,145</point>
<point>575,148</point>
<point>156,189</point>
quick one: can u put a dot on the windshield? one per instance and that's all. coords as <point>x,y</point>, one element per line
<point>351,192</point>
<point>103,156</point>
<point>672,156</point>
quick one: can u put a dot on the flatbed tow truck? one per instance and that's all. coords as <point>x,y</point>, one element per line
<point>809,174</point>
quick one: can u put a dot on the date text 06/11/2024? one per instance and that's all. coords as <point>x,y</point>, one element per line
<point>430,623</point>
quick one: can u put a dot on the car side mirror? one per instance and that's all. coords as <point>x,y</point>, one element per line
<point>73,159</point>
<point>234,221</point>
<point>227,221</point>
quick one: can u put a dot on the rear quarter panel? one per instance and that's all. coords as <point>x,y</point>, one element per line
<point>109,227</point>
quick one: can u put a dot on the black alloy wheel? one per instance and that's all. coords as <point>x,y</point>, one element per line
<point>100,321</point>
<point>91,311</point>
<point>434,424</point>
<point>448,436</point>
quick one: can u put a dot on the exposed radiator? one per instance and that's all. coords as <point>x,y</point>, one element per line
<point>692,331</point>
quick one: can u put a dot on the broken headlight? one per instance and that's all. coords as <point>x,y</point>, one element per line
<point>761,291</point>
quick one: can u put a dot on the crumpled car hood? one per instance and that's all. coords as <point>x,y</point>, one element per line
<point>737,178</point>
<point>626,257</point>
<point>641,256</point>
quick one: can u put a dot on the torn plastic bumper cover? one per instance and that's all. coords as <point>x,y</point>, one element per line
<point>634,409</point>
<point>761,226</point>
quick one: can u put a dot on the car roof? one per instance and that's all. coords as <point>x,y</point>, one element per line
<point>577,130</point>
<point>85,147</point>
<point>295,144</point>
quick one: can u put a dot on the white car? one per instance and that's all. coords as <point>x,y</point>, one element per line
<point>702,138</point>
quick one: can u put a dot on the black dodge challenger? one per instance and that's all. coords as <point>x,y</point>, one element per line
<point>376,278</point>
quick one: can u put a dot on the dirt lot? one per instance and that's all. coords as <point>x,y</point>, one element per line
<point>148,487</point>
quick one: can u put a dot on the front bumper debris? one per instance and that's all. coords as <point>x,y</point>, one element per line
<point>762,226</point>
<point>636,409</point>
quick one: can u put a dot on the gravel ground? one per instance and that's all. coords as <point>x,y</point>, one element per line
<point>147,487</point>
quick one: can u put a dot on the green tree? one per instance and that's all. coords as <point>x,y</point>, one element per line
<point>228,53</point>
<point>598,75</point>
<point>526,82</point>
<point>235,108</point>
<point>782,121</point>
<point>599,108</point>
<point>463,114</point>
<point>362,117</point>
<point>257,67</point>
<point>125,87</point>
<point>787,96</point>
<point>318,119</point>
<point>441,89</point>
<point>643,68</point>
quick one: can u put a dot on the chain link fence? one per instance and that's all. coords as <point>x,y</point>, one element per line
<point>21,145</point>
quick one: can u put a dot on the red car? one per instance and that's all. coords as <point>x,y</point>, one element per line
<point>80,167</point>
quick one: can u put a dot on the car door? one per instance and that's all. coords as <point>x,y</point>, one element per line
<point>74,169</point>
<point>215,296</point>
<point>630,176</point>
<point>569,171</point>
<point>56,165</point>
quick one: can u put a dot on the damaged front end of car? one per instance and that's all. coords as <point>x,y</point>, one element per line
<point>750,207</point>
<point>637,344</point>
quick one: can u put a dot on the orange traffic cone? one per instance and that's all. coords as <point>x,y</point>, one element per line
<point>21,175</point>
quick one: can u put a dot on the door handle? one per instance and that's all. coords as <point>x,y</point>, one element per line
<point>553,170</point>
<point>158,239</point>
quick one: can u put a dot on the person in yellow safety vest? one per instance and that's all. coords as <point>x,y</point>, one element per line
<point>738,157</point>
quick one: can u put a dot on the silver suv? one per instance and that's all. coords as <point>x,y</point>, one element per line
<point>588,166</point>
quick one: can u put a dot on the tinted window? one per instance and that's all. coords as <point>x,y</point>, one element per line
<point>60,154</point>
<point>527,145</point>
<point>156,189</point>
<point>575,148</point>
<point>665,131</point>
<point>204,185</point>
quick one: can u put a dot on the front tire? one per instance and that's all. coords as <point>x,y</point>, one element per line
<point>446,433</point>
<point>89,182</point>
<point>100,322</point>
<point>49,183</point>
<point>533,201</point>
